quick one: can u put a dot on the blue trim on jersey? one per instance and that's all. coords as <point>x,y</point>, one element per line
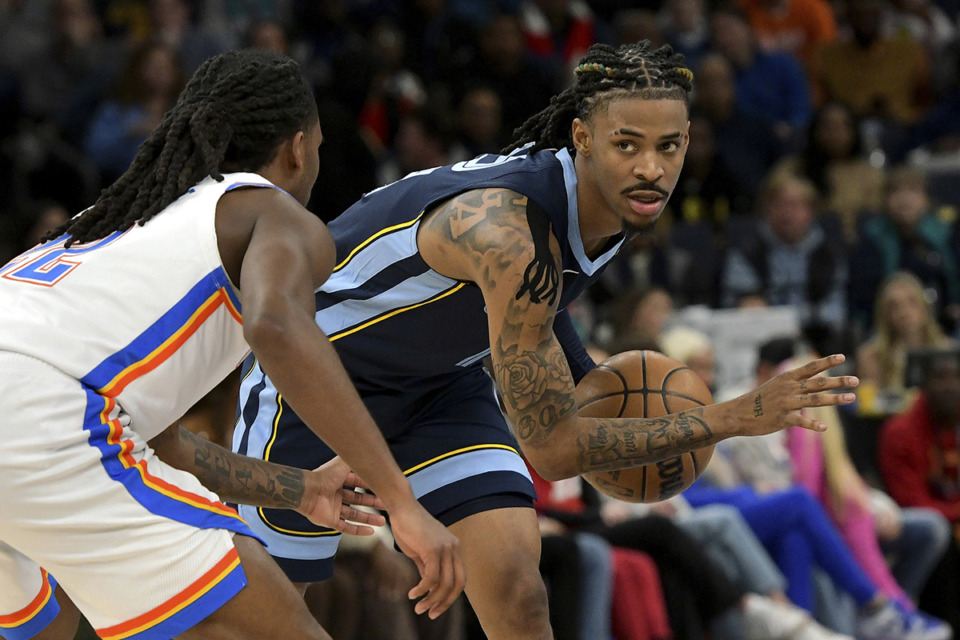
<point>180,509</point>
<point>40,620</point>
<point>379,283</point>
<point>351,315</point>
<point>589,266</point>
<point>197,611</point>
<point>291,545</point>
<point>161,330</point>
<point>460,466</point>
<point>252,384</point>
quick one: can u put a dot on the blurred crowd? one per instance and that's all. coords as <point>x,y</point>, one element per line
<point>823,176</point>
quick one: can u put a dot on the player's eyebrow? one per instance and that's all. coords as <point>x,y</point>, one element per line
<point>640,134</point>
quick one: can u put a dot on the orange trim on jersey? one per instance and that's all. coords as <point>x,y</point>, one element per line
<point>157,484</point>
<point>179,602</point>
<point>36,605</point>
<point>171,344</point>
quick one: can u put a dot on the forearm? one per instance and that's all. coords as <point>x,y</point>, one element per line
<point>305,368</point>
<point>235,478</point>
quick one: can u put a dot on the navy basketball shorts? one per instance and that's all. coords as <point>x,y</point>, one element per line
<point>456,449</point>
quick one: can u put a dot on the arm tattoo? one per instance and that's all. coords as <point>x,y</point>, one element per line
<point>541,279</point>
<point>242,479</point>
<point>620,442</point>
<point>757,407</point>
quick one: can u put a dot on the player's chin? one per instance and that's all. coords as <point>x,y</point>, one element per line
<point>638,226</point>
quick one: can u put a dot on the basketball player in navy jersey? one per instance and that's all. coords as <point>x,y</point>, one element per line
<point>475,260</point>
<point>128,315</point>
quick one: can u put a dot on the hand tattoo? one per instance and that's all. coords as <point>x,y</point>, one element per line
<point>757,407</point>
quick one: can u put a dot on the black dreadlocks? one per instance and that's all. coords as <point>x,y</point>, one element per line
<point>602,74</point>
<point>232,116</point>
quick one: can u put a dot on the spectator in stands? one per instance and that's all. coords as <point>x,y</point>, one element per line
<point>746,143</point>
<point>61,82</point>
<point>687,28</point>
<point>502,62</point>
<point>904,321</point>
<point>771,84</point>
<point>907,235</point>
<point>173,22</point>
<point>919,458</point>
<point>479,122</point>
<point>758,479</point>
<point>560,32</point>
<point>423,141</point>
<point>797,27</point>
<point>833,159</point>
<point>147,87</point>
<point>883,79</point>
<point>789,258</point>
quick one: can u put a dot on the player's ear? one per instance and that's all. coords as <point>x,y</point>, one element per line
<point>298,150</point>
<point>582,139</point>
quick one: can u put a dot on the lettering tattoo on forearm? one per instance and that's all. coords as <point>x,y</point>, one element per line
<point>757,407</point>
<point>621,442</point>
<point>240,479</point>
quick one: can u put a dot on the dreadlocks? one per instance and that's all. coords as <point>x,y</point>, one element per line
<point>606,72</point>
<point>232,116</point>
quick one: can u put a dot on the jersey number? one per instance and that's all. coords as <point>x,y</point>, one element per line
<point>46,265</point>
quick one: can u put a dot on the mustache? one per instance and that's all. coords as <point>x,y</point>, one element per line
<point>646,186</point>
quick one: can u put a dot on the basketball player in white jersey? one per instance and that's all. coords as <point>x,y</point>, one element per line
<point>128,315</point>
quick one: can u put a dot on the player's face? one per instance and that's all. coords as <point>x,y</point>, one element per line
<point>629,161</point>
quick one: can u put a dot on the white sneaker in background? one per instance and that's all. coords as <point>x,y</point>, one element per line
<point>893,622</point>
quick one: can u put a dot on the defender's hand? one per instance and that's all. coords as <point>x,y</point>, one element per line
<point>331,497</point>
<point>777,404</point>
<point>436,553</point>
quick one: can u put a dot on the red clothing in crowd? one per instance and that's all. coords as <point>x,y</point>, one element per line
<point>919,462</point>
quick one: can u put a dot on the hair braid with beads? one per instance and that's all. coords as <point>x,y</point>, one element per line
<point>605,72</point>
<point>231,116</point>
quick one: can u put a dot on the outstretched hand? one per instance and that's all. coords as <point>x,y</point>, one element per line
<point>777,404</point>
<point>436,553</point>
<point>334,500</point>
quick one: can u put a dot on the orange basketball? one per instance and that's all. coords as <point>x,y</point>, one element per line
<point>644,384</point>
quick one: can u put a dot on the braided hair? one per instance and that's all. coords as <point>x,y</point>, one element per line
<point>233,115</point>
<point>603,74</point>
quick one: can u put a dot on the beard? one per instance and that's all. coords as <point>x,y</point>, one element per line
<point>632,231</point>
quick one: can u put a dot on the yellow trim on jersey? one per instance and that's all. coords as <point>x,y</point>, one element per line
<point>450,454</point>
<point>368,323</point>
<point>378,234</point>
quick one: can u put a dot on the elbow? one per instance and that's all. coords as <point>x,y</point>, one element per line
<point>265,331</point>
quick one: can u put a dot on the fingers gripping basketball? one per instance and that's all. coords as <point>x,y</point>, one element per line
<point>644,384</point>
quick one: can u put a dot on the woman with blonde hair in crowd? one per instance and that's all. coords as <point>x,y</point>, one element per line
<point>903,320</point>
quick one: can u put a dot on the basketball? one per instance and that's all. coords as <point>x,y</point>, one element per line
<point>644,384</point>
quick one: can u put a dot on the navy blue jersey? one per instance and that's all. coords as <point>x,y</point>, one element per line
<point>403,330</point>
<point>389,315</point>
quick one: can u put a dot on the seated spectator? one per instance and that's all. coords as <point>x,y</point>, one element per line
<point>559,32</point>
<point>147,87</point>
<point>478,122</point>
<point>883,79</point>
<point>746,143</point>
<point>687,29</point>
<point>701,601</point>
<point>834,160</point>
<point>907,235</point>
<point>796,27</point>
<point>756,477</point>
<point>789,258</point>
<point>904,321</point>
<point>173,22</point>
<point>919,458</point>
<point>770,84</point>
<point>502,62</point>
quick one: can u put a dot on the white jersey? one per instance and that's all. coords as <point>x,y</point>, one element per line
<point>147,316</point>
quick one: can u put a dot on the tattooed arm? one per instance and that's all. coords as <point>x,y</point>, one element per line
<point>319,495</point>
<point>499,240</point>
